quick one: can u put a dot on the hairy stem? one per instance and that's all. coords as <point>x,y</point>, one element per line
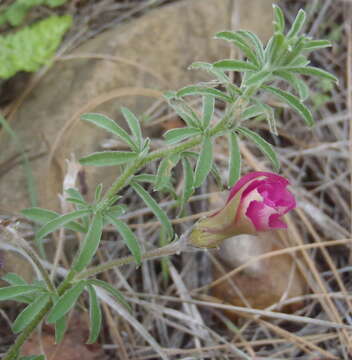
<point>170,249</point>
<point>126,176</point>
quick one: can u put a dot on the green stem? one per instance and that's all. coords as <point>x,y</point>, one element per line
<point>126,176</point>
<point>171,249</point>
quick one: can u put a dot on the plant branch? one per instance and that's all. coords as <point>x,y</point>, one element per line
<point>126,176</point>
<point>12,353</point>
<point>170,249</point>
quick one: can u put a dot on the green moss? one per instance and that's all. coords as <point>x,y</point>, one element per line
<point>15,13</point>
<point>33,46</point>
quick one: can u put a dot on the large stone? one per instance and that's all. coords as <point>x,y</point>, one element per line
<point>152,52</point>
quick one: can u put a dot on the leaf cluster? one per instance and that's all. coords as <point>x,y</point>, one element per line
<point>284,57</point>
<point>37,297</point>
<point>33,46</point>
<point>15,13</point>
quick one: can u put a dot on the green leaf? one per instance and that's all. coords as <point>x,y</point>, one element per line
<point>311,70</point>
<point>279,19</point>
<point>74,193</point>
<point>114,292</point>
<point>252,111</point>
<point>270,117</point>
<point>76,202</point>
<point>32,46</point>
<point>214,169</point>
<point>312,45</point>
<point>14,279</point>
<point>117,210</point>
<point>238,40</point>
<point>39,215</point>
<point>162,180</point>
<point>221,76</point>
<point>90,243</point>
<point>153,205</point>
<point>235,160</point>
<point>299,60</point>
<point>60,221</point>
<point>200,90</point>
<point>148,178</point>
<point>263,145</point>
<point>95,316</point>
<point>60,329</point>
<point>274,49</point>
<point>204,162</point>
<point>261,109</point>
<point>109,125</point>
<point>66,302</point>
<point>98,192</point>
<point>108,158</point>
<point>134,126</point>
<point>293,55</point>
<point>55,3</point>
<point>129,238</point>
<point>163,175</point>
<point>16,12</point>
<point>188,187</point>
<point>293,102</point>
<point>10,292</point>
<point>145,148</point>
<point>164,261</point>
<point>254,39</point>
<point>235,65</point>
<point>29,313</point>
<point>174,136</point>
<point>185,112</point>
<point>208,110</point>
<point>257,78</point>
<point>297,24</point>
<point>298,84</point>
<point>43,216</point>
<point>33,357</point>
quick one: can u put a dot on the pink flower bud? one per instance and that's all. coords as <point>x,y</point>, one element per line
<point>255,203</point>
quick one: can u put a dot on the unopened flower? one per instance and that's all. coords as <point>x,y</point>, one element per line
<point>255,203</point>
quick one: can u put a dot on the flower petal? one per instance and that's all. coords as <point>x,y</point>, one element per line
<point>259,214</point>
<point>276,223</point>
<point>252,175</point>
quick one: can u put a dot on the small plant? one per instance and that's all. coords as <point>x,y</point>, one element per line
<point>33,46</point>
<point>284,58</point>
